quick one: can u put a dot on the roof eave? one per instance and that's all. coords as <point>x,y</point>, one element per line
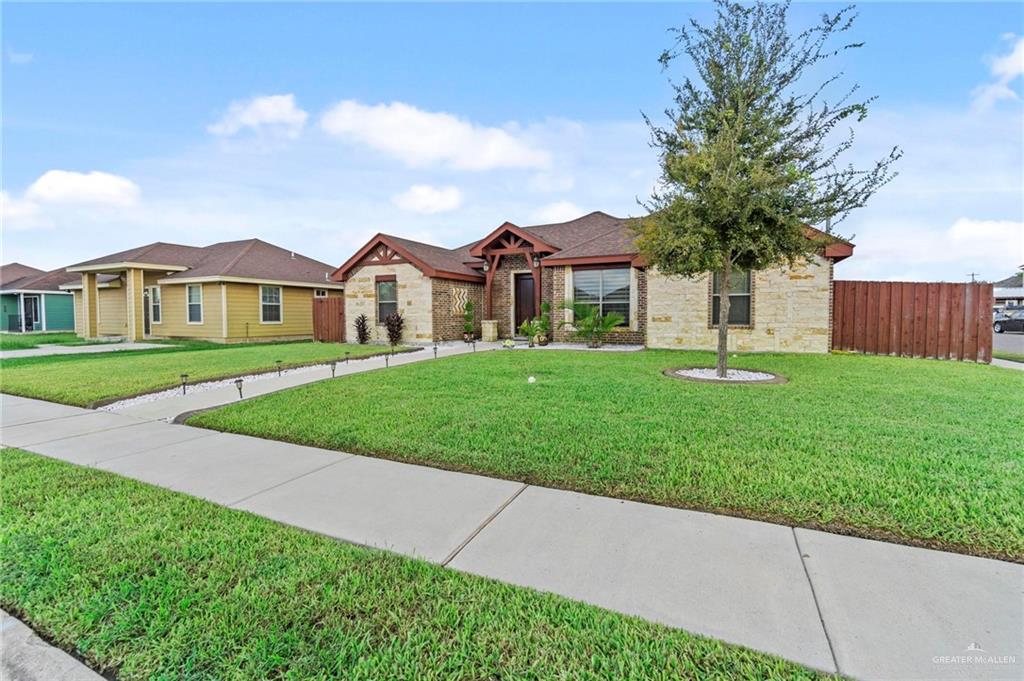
<point>125,265</point>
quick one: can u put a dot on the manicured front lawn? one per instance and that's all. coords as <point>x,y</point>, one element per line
<point>26,341</point>
<point>918,451</point>
<point>85,379</point>
<point>154,584</point>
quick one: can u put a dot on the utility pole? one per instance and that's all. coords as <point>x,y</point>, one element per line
<point>972,275</point>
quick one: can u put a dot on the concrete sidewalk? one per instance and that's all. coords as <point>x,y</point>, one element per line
<point>44,350</point>
<point>167,409</point>
<point>866,609</point>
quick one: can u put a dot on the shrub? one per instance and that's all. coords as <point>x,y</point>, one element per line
<point>394,323</point>
<point>467,327</point>
<point>362,329</point>
<point>589,324</point>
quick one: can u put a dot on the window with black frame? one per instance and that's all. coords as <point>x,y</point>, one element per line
<point>606,289</point>
<point>739,298</point>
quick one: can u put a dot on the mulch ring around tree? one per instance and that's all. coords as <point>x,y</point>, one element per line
<point>746,377</point>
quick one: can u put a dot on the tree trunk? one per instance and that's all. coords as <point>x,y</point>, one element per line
<point>723,319</point>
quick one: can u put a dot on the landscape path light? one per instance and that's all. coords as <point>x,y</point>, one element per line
<point>278,363</point>
<point>184,381</point>
<point>334,364</point>
<point>346,357</point>
<point>238,384</point>
<point>435,349</point>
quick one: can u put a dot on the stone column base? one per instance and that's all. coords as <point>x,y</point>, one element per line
<point>489,330</point>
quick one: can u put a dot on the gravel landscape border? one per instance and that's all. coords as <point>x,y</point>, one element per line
<point>778,379</point>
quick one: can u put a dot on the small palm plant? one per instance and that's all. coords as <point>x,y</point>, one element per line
<point>362,329</point>
<point>589,324</point>
<point>394,323</point>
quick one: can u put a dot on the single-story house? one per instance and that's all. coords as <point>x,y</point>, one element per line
<point>31,300</point>
<point>1009,291</point>
<point>510,272</point>
<point>234,291</point>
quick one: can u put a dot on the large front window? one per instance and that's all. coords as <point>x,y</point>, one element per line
<point>194,295</point>
<point>270,304</point>
<point>739,298</point>
<point>387,299</point>
<point>607,290</point>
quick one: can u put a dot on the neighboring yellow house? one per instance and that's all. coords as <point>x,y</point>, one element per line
<point>234,291</point>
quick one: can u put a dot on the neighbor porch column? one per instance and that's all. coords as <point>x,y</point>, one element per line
<point>89,296</point>
<point>21,313</point>
<point>136,305</point>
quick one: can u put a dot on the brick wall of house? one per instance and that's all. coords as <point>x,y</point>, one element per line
<point>414,302</point>
<point>791,311</point>
<point>634,334</point>
<point>449,304</point>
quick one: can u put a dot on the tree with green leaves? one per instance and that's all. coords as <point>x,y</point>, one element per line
<point>752,155</point>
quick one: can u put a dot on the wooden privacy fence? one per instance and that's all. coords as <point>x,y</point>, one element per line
<point>329,319</point>
<point>913,319</point>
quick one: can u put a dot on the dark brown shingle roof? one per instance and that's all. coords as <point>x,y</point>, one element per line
<point>14,271</point>
<point>157,253</point>
<point>438,257</point>
<point>46,281</point>
<point>256,259</point>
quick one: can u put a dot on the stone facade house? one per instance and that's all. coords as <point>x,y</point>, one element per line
<point>228,292</point>
<point>510,272</point>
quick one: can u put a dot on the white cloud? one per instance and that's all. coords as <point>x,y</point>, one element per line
<point>68,186</point>
<point>1005,69</point>
<point>15,57</point>
<point>274,114</point>
<point>561,211</point>
<point>916,251</point>
<point>421,138</point>
<point>20,214</point>
<point>422,198</point>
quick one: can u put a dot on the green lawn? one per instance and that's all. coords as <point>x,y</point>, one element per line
<point>918,451</point>
<point>153,584</point>
<point>86,379</point>
<point>1009,356</point>
<point>26,341</point>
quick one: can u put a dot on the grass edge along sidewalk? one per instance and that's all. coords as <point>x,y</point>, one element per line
<point>96,379</point>
<point>906,451</point>
<point>146,583</point>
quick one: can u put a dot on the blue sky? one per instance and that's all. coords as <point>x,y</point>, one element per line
<point>315,126</point>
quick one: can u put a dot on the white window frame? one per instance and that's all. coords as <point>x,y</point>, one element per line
<point>202,312</point>
<point>280,304</point>
<point>319,293</point>
<point>154,296</point>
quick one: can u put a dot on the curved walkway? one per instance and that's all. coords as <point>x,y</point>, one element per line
<point>864,608</point>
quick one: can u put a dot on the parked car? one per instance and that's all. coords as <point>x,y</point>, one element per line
<point>1011,321</point>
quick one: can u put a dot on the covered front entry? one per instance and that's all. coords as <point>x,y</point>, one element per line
<point>525,301</point>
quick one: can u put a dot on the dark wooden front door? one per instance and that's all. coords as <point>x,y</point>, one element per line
<point>524,300</point>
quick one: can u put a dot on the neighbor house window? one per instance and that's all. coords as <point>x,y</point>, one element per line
<point>387,298</point>
<point>194,296</point>
<point>155,308</point>
<point>607,290</point>
<point>270,304</point>
<point>320,293</point>
<point>739,298</point>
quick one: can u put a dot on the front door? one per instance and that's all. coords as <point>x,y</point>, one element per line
<point>524,310</point>
<point>33,319</point>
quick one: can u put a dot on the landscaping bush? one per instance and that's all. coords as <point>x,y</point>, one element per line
<point>467,327</point>
<point>589,325</point>
<point>394,323</point>
<point>362,329</point>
